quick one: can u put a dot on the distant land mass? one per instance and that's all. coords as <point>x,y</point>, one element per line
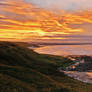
<point>46,43</point>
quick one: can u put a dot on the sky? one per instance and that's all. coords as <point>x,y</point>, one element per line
<point>30,20</point>
<point>68,5</point>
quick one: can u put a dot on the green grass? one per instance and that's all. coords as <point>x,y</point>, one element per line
<point>23,70</point>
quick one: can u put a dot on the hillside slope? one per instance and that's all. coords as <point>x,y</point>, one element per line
<point>23,70</point>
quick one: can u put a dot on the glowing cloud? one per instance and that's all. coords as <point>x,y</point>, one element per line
<point>20,20</point>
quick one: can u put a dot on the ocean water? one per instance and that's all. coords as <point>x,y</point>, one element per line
<point>65,50</point>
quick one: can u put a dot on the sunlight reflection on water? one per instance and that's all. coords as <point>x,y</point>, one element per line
<point>66,50</point>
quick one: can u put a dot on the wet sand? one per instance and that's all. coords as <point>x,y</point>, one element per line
<point>82,76</point>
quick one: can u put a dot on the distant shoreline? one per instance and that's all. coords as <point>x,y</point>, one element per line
<point>45,44</point>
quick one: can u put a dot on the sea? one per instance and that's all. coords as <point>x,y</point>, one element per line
<point>64,50</point>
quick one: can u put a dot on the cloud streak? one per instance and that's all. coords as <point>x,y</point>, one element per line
<point>21,20</point>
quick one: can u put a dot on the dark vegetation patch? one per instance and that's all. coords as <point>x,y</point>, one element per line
<point>86,66</point>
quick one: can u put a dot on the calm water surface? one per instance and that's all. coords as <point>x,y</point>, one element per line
<point>66,50</point>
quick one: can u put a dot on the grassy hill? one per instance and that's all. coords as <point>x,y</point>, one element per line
<point>23,70</point>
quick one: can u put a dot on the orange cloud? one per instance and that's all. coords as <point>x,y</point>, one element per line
<point>26,21</point>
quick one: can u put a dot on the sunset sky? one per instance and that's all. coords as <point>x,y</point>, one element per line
<point>26,20</point>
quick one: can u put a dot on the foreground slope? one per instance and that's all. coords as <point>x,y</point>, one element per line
<point>23,70</point>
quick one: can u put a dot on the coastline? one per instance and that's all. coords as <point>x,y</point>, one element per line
<point>84,76</point>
